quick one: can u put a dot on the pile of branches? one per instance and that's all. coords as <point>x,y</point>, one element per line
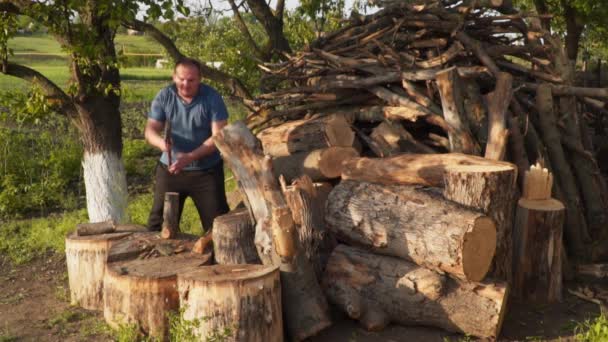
<point>475,77</point>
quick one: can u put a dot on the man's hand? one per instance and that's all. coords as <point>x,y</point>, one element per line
<point>182,160</point>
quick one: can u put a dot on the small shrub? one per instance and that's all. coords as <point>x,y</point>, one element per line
<point>592,330</point>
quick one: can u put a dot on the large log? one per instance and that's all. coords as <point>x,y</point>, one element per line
<point>233,302</point>
<point>423,169</point>
<point>319,165</point>
<point>414,223</point>
<point>233,236</point>
<point>377,290</point>
<point>305,308</point>
<point>490,189</point>
<point>86,257</point>
<point>537,267</point>
<point>140,282</point>
<point>306,135</point>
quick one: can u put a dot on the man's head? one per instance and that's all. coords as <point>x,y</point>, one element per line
<point>187,77</point>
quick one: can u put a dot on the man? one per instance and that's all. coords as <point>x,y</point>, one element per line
<point>196,112</point>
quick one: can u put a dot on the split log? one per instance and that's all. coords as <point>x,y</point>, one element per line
<point>140,283</point>
<point>498,104</point>
<point>233,238</point>
<point>308,212</point>
<point>305,308</point>
<point>170,215</point>
<point>377,290</point>
<point>243,300</point>
<point>538,248</point>
<point>414,223</point>
<point>306,135</point>
<point>490,189</point>
<point>423,169</point>
<point>319,165</point>
<point>84,229</point>
<point>452,102</point>
<point>475,111</point>
<point>86,261</point>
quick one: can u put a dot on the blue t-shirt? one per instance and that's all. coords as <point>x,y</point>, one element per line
<point>190,123</point>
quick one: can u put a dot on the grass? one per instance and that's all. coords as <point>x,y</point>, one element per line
<point>592,330</point>
<point>45,44</point>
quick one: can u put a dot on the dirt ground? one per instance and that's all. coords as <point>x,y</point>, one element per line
<point>34,306</point>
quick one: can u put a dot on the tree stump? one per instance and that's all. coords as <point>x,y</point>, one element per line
<point>233,235</point>
<point>414,223</point>
<point>86,260</point>
<point>538,247</point>
<point>238,302</point>
<point>490,189</point>
<point>377,290</point>
<point>140,283</point>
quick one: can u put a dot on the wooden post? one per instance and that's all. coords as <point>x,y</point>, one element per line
<point>490,189</point>
<point>233,241</point>
<point>376,290</point>
<point>242,300</point>
<point>170,215</point>
<point>538,231</point>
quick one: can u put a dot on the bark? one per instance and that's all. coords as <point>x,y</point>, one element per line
<point>306,135</point>
<point>452,102</point>
<point>537,265</point>
<point>233,236</point>
<point>413,223</point>
<point>306,310</point>
<point>422,169</point>
<point>86,261</point>
<point>85,229</point>
<point>244,300</point>
<point>273,25</point>
<point>140,282</point>
<point>319,165</point>
<point>574,30</point>
<point>377,290</point>
<point>491,190</point>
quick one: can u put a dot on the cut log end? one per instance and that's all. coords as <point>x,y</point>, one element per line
<point>478,249</point>
<point>541,205</point>
<point>330,165</point>
<point>222,273</point>
<point>338,132</point>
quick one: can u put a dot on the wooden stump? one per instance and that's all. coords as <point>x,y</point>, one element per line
<point>86,260</point>
<point>319,165</point>
<point>538,247</point>
<point>490,189</point>
<point>242,300</point>
<point>140,283</point>
<point>413,223</point>
<point>233,235</point>
<point>377,290</point>
<point>170,215</point>
<point>306,135</point>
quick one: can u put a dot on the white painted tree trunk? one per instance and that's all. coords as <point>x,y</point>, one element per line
<point>105,182</point>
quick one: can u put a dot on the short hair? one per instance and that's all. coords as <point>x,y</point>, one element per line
<point>190,62</point>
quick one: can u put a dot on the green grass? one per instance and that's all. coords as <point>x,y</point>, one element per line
<point>592,330</point>
<point>46,44</point>
<point>137,44</point>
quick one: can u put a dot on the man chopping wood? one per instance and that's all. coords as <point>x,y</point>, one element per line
<point>190,113</point>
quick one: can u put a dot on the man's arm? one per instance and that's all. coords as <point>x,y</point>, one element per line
<point>153,136</point>
<point>206,148</point>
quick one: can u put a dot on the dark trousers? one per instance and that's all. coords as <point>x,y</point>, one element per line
<point>206,188</point>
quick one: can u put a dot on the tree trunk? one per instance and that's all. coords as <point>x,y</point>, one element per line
<point>413,223</point>
<point>423,169</point>
<point>233,302</point>
<point>305,308</point>
<point>491,190</point>
<point>377,290</point>
<point>452,102</point>
<point>85,257</point>
<point>537,269</point>
<point>105,183</point>
<point>140,283</point>
<point>319,165</point>
<point>233,236</point>
<point>306,135</point>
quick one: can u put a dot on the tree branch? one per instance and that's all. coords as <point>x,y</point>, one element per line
<point>273,25</point>
<point>236,86</point>
<point>243,27</point>
<point>280,9</point>
<point>51,90</point>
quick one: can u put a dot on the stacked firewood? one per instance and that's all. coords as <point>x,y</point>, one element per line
<point>474,77</point>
